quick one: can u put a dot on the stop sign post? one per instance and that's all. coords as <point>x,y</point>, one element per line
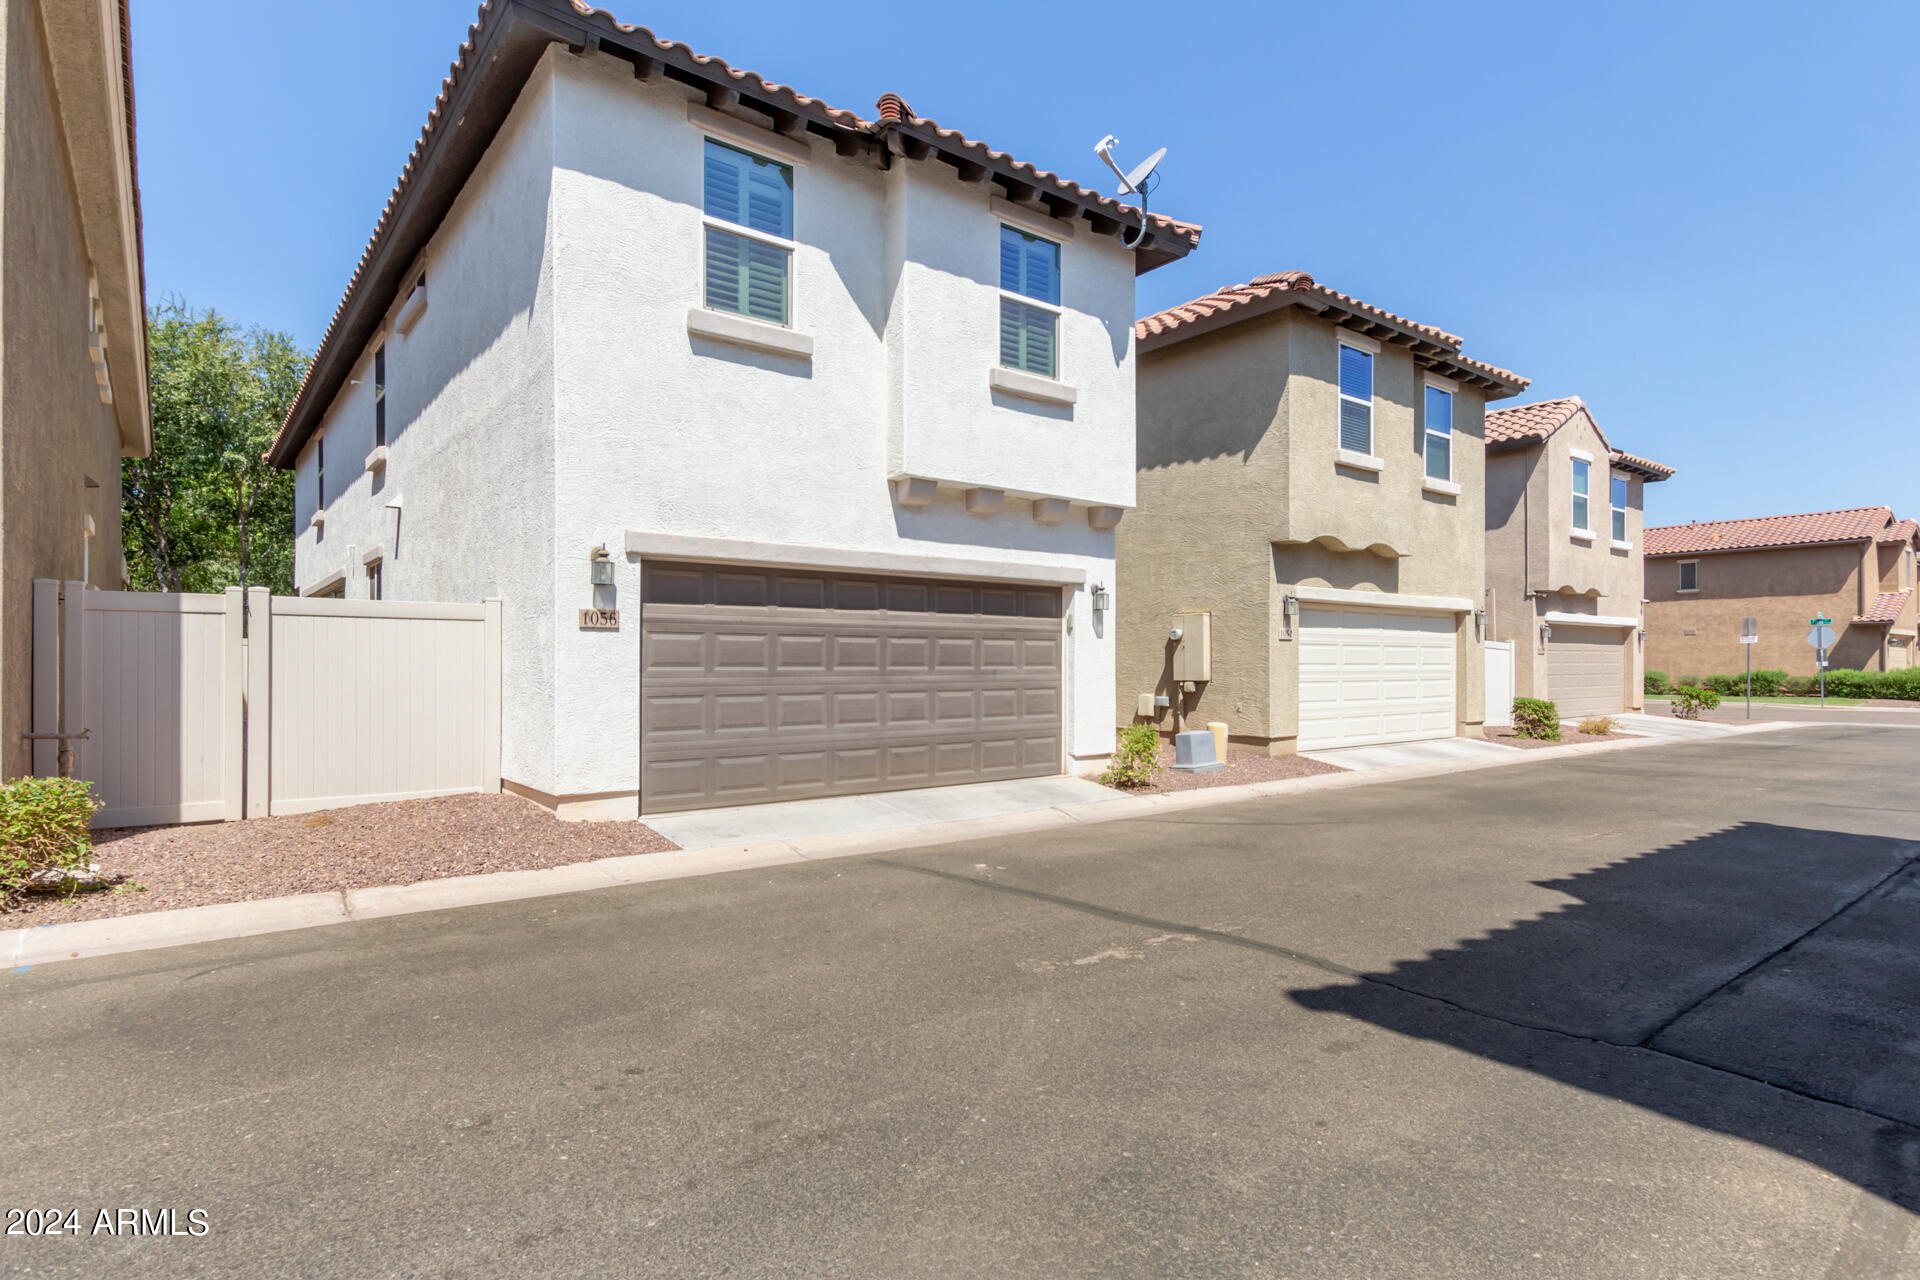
<point>1749,637</point>
<point>1821,638</point>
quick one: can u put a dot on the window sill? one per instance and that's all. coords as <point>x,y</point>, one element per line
<point>1686,591</point>
<point>743,331</point>
<point>1581,535</point>
<point>377,460</point>
<point>410,313</point>
<point>317,519</point>
<point>1617,545</point>
<point>1447,487</point>
<point>1358,461</point>
<point>1031,386</point>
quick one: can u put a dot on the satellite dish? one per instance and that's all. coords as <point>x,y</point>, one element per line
<point>1139,182</point>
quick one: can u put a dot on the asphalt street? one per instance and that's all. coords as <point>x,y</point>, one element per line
<point>1650,1013</point>
<point>1735,710</point>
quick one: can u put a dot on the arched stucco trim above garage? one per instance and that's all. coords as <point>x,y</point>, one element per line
<point>1334,542</point>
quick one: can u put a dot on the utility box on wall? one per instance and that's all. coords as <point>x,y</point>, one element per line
<point>1193,656</point>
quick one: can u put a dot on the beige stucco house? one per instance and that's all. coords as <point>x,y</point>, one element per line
<point>1854,566</point>
<point>1564,548</point>
<point>1309,517</point>
<point>73,376</point>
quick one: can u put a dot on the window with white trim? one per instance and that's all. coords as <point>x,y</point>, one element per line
<point>749,216</point>
<point>1029,303</point>
<point>1689,575</point>
<point>1619,495</point>
<point>373,580</point>
<point>1439,414</point>
<point>1356,400</point>
<point>1582,482</point>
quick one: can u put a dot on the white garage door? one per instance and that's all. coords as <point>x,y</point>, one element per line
<point>1369,676</point>
<point>1585,670</point>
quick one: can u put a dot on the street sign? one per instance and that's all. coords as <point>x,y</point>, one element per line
<point>1750,627</point>
<point>1821,637</point>
<point>1749,639</point>
<point>1820,622</point>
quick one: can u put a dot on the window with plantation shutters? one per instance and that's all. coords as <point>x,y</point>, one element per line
<point>1029,303</point>
<point>1356,399</point>
<point>748,271</point>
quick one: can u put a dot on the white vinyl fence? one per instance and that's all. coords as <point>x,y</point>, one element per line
<point>1499,684</point>
<point>195,708</point>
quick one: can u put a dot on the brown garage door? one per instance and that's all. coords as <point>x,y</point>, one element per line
<point>1586,669</point>
<point>767,684</point>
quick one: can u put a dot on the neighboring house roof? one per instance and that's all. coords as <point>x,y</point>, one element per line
<point>1851,525</point>
<point>1230,304</point>
<point>1900,531</point>
<point>1886,608</point>
<point>503,46</point>
<point>1529,424</point>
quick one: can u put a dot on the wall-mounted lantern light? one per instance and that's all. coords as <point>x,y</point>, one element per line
<point>1480,624</point>
<point>600,567</point>
<point>1290,610</point>
<point>1101,600</point>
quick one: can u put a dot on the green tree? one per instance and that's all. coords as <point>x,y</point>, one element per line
<point>204,511</point>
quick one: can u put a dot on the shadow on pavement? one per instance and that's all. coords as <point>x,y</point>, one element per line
<point>1780,954</point>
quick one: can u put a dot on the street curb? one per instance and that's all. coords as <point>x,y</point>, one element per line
<point>86,939</point>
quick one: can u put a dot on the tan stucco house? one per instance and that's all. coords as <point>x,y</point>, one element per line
<point>1854,566</point>
<point>1564,547</point>
<point>73,376</point>
<point>1309,518</point>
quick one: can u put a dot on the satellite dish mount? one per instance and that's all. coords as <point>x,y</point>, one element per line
<point>1141,181</point>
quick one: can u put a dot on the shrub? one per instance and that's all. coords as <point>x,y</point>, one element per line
<point>44,822</point>
<point>1725,686</point>
<point>1657,682</point>
<point>1800,686</point>
<point>1536,718</point>
<point>1688,700</point>
<point>1904,684</point>
<point>1599,726</point>
<point>1769,682</point>
<point>1136,760</point>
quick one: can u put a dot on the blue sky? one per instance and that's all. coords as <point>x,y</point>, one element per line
<point>1704,219</point>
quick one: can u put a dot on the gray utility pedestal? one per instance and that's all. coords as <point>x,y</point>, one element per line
<point>1193,753</point>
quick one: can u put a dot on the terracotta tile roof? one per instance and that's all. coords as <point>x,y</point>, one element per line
<point>1645,466</point>
<point>1886,608</point>
<point>508,25</point>
<point>1234,302</point>
<point>1531,422</point>
<point>1851,525</point>
<point>1900,531</point>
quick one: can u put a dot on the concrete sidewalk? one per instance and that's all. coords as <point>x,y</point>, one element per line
<point>1395,755</point>
<point>45,944</point>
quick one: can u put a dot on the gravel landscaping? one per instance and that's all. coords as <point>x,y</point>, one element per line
<point>358,848</point>
<point>1240,769</point>
<point>1507,738</point>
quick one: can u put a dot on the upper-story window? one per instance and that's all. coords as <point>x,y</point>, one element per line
<point>380,396</point>
<point>1356,399</point>
<point>1582,480</point>
<point>1439,412</point>
<point>320,471</point>
<point>1906,568</point>
<point>1029,303</point>
<point>749,208</point>
<point>1619,508</point>
<point>1689,575</point>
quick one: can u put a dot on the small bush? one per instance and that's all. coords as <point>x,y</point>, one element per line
<point>1536,718</point>
<point>1136,760</point>
<point>1725,686</point>
<point>1689,700</point>
<point>1800,686</point>
<point>1769,682</point>
<point>1657,682</point>
<point>1599,726</point>
<point>44,822</point>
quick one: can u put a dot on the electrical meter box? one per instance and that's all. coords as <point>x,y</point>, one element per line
<point>1193,656</point>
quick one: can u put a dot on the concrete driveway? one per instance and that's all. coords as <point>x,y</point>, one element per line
<point>1648,1013</point>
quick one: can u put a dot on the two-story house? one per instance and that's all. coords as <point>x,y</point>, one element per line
<point>1310,494</point>
<point>1564,548</point>
<point>73,326</point>
<point>1703,580</point>
<point>793,441</point>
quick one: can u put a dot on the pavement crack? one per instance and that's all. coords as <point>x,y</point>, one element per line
<point>1906,864</point>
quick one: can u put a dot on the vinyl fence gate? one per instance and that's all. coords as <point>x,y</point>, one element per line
<point>198,708</point>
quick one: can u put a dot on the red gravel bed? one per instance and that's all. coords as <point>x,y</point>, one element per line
<point>1240,769</point>
<point>1506,738</point>
<point>358,848</point>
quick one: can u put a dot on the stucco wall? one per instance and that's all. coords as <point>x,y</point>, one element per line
<point>1241,499</point>
<point>1781,588</point>
<point>598,412</point>
<point>1536,563</point>
<point>469,434</point>
<point>55,434</point>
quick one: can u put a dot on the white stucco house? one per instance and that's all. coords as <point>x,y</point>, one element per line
<point>828,421</point>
